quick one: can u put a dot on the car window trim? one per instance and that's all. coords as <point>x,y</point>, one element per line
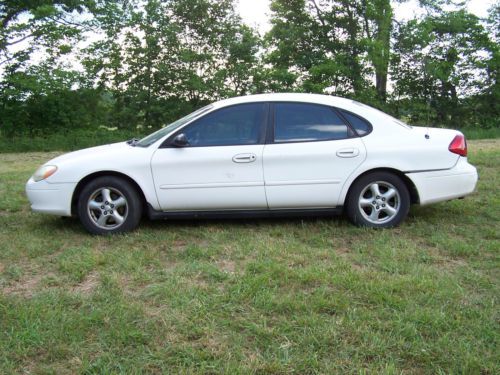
<point>167,143</point>
<point>271,132</point>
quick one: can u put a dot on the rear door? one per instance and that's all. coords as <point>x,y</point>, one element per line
<point>311,154</point>
<point>221,168</point>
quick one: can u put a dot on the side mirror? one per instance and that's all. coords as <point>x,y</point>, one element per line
<point>180,140</point>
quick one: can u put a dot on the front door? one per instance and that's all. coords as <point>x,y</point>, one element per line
<point>220,168</point>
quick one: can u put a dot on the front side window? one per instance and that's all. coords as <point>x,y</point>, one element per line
<point>300,122</point>
<point>152,138</point>
<point>235,125</point>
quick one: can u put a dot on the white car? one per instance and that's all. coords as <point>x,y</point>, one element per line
<point>261,155</point>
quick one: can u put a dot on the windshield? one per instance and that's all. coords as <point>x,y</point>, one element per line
<point>152,138</point>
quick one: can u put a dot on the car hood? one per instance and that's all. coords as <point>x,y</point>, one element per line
<point>91,152</point>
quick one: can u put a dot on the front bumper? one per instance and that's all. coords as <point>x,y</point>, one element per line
<point>48,198</point>
<point>438,186</point>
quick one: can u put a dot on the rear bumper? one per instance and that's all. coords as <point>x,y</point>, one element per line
<point>54,199</point>
<point>438,186</point>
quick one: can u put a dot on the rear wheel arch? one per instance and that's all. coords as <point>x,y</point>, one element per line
<point>412,189</point>
<point>84,181</point>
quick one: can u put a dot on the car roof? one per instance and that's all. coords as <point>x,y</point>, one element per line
<point>294,97</point>
<point>371,114</point>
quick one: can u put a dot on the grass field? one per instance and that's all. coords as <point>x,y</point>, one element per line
<point>254,296</point>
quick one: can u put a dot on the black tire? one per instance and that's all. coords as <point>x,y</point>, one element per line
<point>365,209</point>
<point>120,215</point>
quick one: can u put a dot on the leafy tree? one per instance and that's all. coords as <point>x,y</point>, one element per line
<point>147,62</point>
<point>332,46</point>
<point>438,61</point>
<point>163,58</point>
<point>316,46</point>
<point>46,27</point>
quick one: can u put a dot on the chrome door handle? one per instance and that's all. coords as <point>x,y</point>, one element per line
<point>244,158</point>
<point>348,153</point>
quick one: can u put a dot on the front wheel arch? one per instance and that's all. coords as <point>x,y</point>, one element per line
<point>84,181</point>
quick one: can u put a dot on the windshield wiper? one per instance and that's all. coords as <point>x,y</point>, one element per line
<point>132,142</point>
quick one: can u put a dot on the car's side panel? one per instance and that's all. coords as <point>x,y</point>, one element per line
<point>416,149</point>
<point>406,150</point>
<point>133,162</point>
<point>208,178</point>
<point>309,174</point>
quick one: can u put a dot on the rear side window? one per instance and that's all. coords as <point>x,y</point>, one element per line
<point>360,125</point>
<point>300,122</point>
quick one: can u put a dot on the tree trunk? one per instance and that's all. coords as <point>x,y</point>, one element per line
<point>382,46</point>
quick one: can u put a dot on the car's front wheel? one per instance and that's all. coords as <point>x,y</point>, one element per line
<point>378,200</point>
<point>108,205</point>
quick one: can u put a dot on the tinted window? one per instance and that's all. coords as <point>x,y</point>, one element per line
<point>235,125</point>
<point>361,126</point>
<point>152,138</point>
<point>307,122</point>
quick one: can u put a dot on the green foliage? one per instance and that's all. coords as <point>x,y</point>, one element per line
<point>320,45</point>
<point>440,64</point>
<point>142,64</point>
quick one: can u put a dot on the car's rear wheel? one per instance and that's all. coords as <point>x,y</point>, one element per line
<point>108,205</point>
<point>378,200</point>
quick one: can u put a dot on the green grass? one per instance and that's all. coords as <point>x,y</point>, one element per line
<point>252,296</point>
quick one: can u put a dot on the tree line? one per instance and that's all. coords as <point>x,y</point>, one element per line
<point>136,65</point>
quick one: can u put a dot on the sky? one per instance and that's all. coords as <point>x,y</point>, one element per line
<point>256,12</point>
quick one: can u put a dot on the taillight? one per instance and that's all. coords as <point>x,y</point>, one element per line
<point>458,145</point>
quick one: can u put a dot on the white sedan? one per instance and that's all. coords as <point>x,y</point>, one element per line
<point>262,155</point>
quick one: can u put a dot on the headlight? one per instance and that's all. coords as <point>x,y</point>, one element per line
<point>45,171</point>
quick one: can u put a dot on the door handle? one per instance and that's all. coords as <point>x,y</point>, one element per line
<point>348,153</point>
<point>244,158</point>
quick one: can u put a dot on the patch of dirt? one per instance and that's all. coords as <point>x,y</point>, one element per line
<point>217,345</point>
<point>179,245</point>
<point>25,287</point>
<point>342,251</point>
<point>199,282</point>
<point>345,254</point>
<point>450,264</point>
<point>358,267</point>
<point>227,266</point>
<point>438,259</point>
<point>88,285</point>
